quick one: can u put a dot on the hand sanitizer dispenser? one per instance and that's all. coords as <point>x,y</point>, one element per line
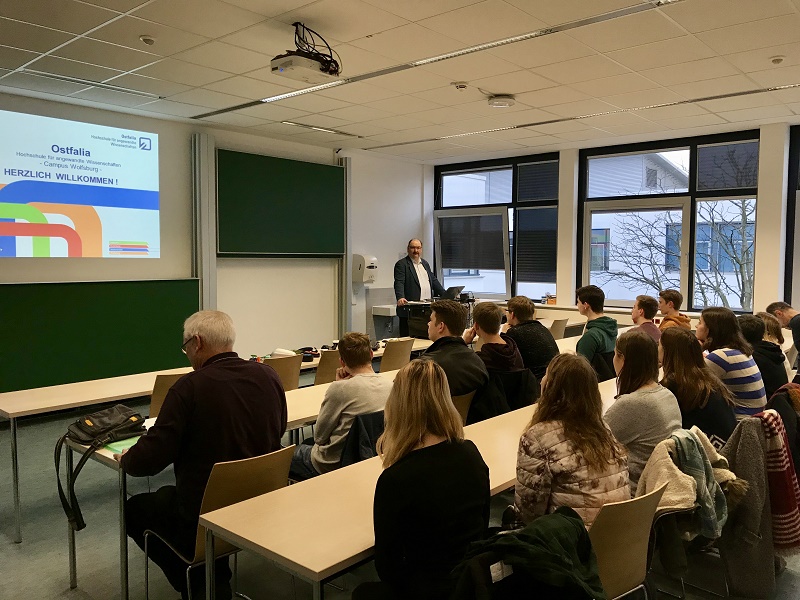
<point>365,268</point>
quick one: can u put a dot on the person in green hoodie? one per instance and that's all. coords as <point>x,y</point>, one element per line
<point>600,336</point>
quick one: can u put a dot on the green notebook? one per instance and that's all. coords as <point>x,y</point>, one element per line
<point>118,447</point>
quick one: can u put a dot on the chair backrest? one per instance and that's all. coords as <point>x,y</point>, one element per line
<point>521,387</point>
<point>558,328</point>
<point>239,480</point>
<point>396,355</point>
<point>160,389</point>
<point>288,369</point>
<point>326,369</point>
<point>791,355</point>
<point>360,443</point>
<point>620,535</point>
<point>462,404</point>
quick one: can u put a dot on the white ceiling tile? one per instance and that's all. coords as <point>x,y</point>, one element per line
<point>358,93</point>
<point>642,98</point>
<point>516,82</point>
<point>626,32</point>
<point>182,72</point>
<point>581,69</point>
<point>475,124</point>
<point>65,15</point>
<point>402,122</point>
<point>616,84</point>
<point>483,22</point>
<point>315,137</point>
<point>486,143</point>
<point>225,57</point>
<point>344,20</point>
<point>787,96</point>
<point>40,84</point>
<point>127,30</point>
<point>11,58</point>
<point>555,95</point>
<point>795,107</point>
<point>312,103</point>
<point>408,43</point>
<point>447,114</point>
<point>450,96</point>
<point>273,113</point>
<point>106,55</point>
<point>643,127</point>
<point>403,105</point>
<point>111,97</point>
<point>208,99</point>
<point>740,102</point>
<point>755,114</point>
<point>511,134</point>
<point>149,84</point>
<point>665,52</point>
<point>410,81</point>
<point>580,108</point>
<point>473,67</point>
<point>519,113</point>
<point>72,68</point>
<point>776,76</point>
<point>537,141</point>
<point>280,129</point>
<point>415,10</point>
<point>713,87</point>
<point>545,50</point>
<point>117,5</point>
<point>359,114</point>
<point>323,121</point>
<point>210,18</point>
<point>364,129</point>
<point>698,70</point>
<point>30,37</point>
<point>561,127</point>
<point>410,135</point>
<point>247,87</point>
<point>756,34</point>
<point>760,59</point>
<point>586,134</point>
<point>614,120</point>
<point>268,37</point>
<point>693,121</point>
<point>269,8</point>
<point>565,11</point>
<point>168,107</point>
<point>677,111</point>
<point>235,119</point>
<point>702,15</point>
<point>355,61</point>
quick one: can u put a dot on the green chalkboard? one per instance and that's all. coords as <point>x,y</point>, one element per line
<point>53,333</point>
<point>273,206</point>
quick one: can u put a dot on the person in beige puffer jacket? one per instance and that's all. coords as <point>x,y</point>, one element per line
<point>568,456</point>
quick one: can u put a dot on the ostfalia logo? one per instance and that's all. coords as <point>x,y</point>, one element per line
<point>145,143</point>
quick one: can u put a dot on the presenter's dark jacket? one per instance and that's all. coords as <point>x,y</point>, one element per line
<point>228,409</point>
<point>465,370</point>
<point>406,281</point>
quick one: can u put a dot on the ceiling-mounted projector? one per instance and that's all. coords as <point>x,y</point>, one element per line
<point>305,67</point>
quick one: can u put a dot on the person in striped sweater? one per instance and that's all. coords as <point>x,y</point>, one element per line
<point>729,357</point>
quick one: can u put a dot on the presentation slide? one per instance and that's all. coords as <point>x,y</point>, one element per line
<point>70,189</point>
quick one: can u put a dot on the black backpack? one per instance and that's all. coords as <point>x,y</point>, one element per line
<point>95,431</point>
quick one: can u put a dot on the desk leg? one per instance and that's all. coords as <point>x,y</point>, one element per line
<point>123,536</point>
<point>318,590</point>
<point>15,482</point>
<point>73,566</point>
<point>210,567</point>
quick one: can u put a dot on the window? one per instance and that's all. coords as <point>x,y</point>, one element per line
<point>727,166</point>
<point>724,253</point>
<point>477,187</point>
<point>634,249</point>
<point>664,172</point>
<point>474,240</point>
<point>538,181</point>
<point>536,240</point>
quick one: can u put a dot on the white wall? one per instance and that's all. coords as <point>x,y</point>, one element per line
<point>388,206</point>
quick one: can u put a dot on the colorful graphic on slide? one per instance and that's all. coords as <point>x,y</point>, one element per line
<point>76,190</point>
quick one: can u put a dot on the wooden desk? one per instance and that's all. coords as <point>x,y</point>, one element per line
<point>335,509</point>
<point>70,395</point>
<point>418,346</point>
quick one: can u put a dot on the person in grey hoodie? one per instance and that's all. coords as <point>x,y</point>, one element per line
<point>600,336</point>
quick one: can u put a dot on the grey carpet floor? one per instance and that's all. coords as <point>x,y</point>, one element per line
<point>38,567</point>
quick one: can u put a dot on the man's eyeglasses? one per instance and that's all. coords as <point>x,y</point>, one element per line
<point>183,346</point>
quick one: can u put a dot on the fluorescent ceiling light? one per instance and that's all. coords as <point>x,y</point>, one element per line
<point>323,129</point>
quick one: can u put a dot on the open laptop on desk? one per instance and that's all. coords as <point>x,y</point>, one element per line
<point>452,293</point>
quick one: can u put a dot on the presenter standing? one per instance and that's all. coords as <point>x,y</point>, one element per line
<point>413,281</point>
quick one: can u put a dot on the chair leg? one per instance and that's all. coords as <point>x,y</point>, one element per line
<point>188,581</point>
<point>146,570</point>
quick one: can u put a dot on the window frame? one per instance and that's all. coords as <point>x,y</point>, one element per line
<point>490,210</point>
<point>692,143</point>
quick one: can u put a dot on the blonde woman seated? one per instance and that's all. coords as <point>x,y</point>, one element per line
<point>568,456</point>
<point>432,498</point>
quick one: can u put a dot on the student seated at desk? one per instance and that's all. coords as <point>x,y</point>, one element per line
<point>597,342</point>
<point>227,409</point>
<point>358,390</point>
<point>669,304</point>
<point>499,352</point>
<point>432,498</point>
<point>534,340</point>
<point>773,332</point>
<point>703,399</point>
<point>568,456</point>
<point>768,356</point>
<point>645,413</point>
